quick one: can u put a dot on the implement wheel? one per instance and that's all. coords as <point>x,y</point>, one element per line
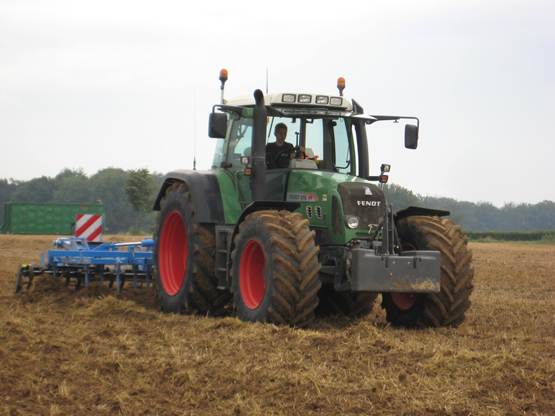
<point>184,267</point>
<point>448,307</point>
<point>275,269</point>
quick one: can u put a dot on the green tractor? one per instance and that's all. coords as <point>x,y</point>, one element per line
<point>298,230</point>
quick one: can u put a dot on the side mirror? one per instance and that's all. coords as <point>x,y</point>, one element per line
<point>411,136</point>
<point>217,125</point>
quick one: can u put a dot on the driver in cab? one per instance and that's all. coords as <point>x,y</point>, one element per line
<point>287,150</point>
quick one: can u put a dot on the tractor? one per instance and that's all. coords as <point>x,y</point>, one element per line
<point>279,237</point>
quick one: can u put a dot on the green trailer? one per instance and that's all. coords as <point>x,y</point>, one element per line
<point>55,219</point>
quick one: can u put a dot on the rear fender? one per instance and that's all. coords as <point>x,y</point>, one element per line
<point>205,192</point>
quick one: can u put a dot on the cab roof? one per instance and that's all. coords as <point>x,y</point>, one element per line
<point>295,100</point>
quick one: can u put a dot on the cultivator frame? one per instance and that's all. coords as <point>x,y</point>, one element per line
<point>76,259</point>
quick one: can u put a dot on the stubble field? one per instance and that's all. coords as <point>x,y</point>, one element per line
<point>93,352</point>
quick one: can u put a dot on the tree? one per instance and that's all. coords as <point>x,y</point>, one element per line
<point>108,186</point>
<point>400,197</point>
<point>7,188</point>
<point>38,190</point>
<point>72,187</point>
<point>139,188</point>
<point>447,204</point>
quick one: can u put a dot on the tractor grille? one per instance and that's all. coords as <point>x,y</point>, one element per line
<point>366,201</point>
<point>318,212</point>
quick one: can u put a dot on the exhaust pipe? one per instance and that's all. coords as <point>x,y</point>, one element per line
<point>258,152</point>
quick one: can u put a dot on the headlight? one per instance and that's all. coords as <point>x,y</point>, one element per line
<point>336,101</point>
<point>305,98</point>
<point>288,98</point>
<point>352,222</point>
<point>322,99</point>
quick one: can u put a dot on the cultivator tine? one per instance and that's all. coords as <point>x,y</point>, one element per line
<point>18,280</point>
<point>31,274</point>
<point>66,275</point>
<point>120,278</point>
<point>111,278</point>
<point>78,281</point>
<point>121,282</point>
<point>25,271</point>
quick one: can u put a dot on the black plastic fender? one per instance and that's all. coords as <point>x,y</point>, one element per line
<point>260,206</point>
<point>412,211</point>
<point>205,191</point>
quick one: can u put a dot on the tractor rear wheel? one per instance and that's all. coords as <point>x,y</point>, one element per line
<point>184,252</point>
<point>275,269</point>
<point>448,307</point>
<point>346,303</point>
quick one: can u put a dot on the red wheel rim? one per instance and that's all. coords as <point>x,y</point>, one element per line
<point>172,254</point>
<point>252,274</point>
<point>407,246</point>
<point>404,301</point>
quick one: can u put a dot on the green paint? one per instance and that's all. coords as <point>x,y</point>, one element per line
<point>230,202</point>
<point>324,186</point>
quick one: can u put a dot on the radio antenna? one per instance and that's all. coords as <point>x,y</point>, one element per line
<point>266,80</point>
<point>195,128</point>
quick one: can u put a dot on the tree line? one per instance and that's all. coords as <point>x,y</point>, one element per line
<point>128,197</point>
<point>481,216</point>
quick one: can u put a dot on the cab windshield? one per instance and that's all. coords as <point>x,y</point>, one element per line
<point>328,142</point>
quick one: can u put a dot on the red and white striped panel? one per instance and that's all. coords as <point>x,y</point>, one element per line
<point>89,226</point>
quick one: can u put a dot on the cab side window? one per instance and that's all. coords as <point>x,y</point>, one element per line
<point>343,159</point>
<point>239,143</point>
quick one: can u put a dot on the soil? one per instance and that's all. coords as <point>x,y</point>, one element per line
<point>96,352</point>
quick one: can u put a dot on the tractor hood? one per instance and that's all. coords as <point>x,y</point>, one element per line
<point>347,205</point>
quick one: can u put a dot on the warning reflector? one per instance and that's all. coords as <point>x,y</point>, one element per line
<point>89,226</point>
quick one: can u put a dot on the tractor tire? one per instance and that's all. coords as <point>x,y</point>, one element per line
<point>184,258</point>
<point>448,307</point>
<point>346,303</point>
<point>275,269</point>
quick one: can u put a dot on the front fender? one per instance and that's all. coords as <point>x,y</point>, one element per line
<point>413,211</point>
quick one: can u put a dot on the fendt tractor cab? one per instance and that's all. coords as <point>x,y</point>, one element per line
<point>290,230</point>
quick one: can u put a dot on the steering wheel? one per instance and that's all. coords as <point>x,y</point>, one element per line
<point>282,159</point>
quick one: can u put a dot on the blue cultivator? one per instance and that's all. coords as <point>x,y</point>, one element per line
<point>79,261</point>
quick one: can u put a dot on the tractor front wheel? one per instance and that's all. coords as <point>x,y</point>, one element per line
<point>448,307</point>
<point>275,269</point>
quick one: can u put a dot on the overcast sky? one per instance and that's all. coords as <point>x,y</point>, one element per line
<point>130,84</point>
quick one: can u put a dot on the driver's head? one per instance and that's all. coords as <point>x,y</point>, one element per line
<point>281,133</point>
